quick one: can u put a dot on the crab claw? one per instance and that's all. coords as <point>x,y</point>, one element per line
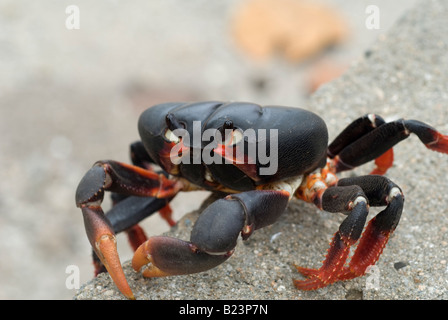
<point>102,239</point>
<point>166,256</point>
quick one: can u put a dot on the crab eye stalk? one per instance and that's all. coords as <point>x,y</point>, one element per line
<point>223,131</point>
<point>228,124</point>
<point>172,123</point>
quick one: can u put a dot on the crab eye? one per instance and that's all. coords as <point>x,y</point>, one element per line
<point>171,136</point>
<point>172,122</point>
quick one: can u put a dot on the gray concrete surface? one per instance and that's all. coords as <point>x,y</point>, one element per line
<point>71,97</point>
<point>403,74</point>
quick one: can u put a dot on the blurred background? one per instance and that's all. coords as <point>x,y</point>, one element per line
<point>70,96</point>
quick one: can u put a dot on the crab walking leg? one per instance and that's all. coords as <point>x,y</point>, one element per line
<point>124,179</point>
<point>354,131</point>
<point>352,201</point>
<point>380,192</point>
<point>214,235</point>
<point>377,142</point>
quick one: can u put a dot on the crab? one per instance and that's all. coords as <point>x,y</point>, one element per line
<point>259,159</point>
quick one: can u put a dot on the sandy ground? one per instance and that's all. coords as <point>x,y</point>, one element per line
<point>71,97</point>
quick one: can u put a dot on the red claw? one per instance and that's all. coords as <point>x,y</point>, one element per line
<point>102,239</point>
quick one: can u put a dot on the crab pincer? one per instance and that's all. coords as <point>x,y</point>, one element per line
<point>213,237</point>
<point>162,256</point>
<point>114,176</point>
<point>102,238</point>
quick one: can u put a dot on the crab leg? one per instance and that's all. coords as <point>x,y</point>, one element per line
<point>367,143</point>
<point>124,179</point>
<point>351,200</point>
<point>353,132</point>
<point>214,235</point>
<point>356,194</point>
<point>380,192</point>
